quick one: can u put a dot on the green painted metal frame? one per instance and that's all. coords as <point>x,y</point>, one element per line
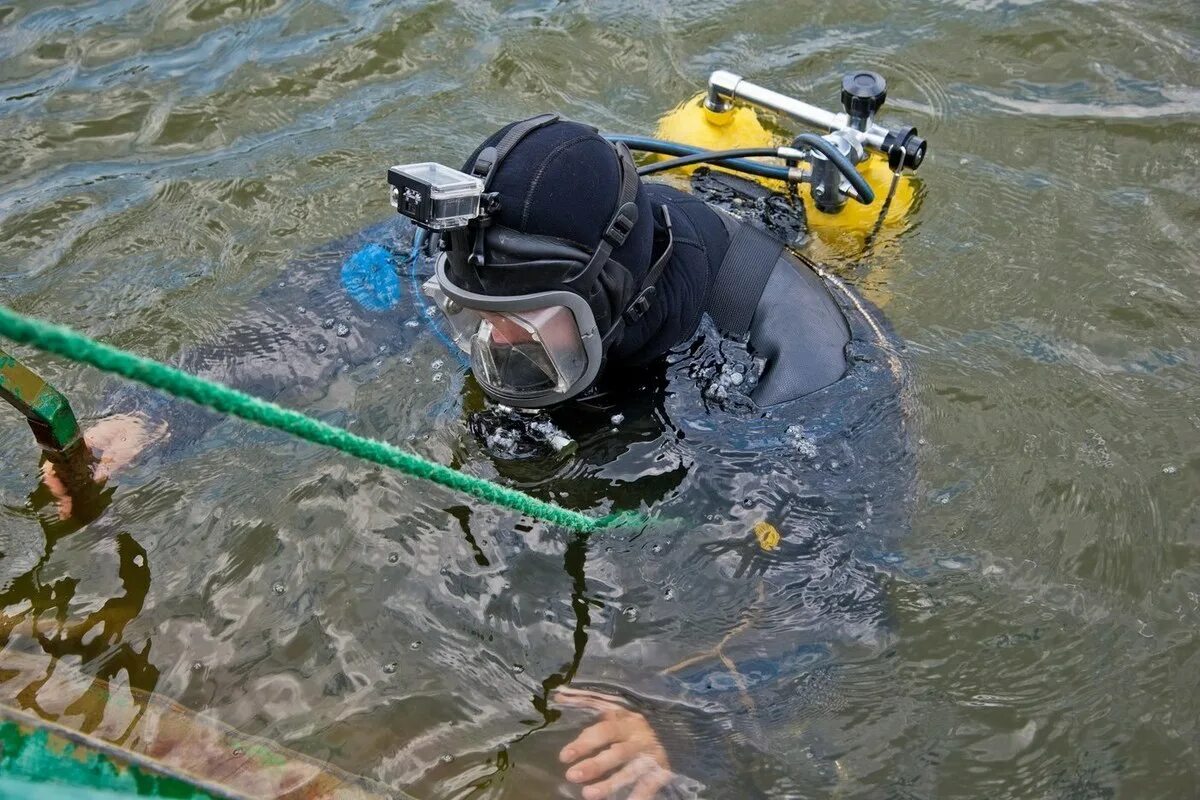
<point>46,409</point>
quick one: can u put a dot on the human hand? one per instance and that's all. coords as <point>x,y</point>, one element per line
<point>621,746</point>
<point>109,446</point>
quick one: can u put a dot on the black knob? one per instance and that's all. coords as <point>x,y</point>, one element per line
<point>904,148</point>
<point>863,93</point>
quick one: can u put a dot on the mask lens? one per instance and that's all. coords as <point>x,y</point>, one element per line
<point>527,353</point>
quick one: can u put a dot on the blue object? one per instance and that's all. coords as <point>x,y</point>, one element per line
<point>369,277</point>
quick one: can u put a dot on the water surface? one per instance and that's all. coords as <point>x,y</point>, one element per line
<point>174,176</point>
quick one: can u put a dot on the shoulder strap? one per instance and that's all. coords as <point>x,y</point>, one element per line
<point>742,276</point>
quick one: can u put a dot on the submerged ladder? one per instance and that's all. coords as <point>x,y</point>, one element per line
<point>44,407</point>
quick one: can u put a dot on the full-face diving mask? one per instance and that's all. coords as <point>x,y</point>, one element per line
<point>528,350</point>
<point>541,342</point>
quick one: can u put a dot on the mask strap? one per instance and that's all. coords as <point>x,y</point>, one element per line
<point>485,167</point>
<point>489,157</point>
<point>622,223</point>
<point>642,301</point>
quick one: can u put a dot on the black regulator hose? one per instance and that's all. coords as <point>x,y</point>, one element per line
<point>707,156</point>
<point>732,159</point>
<point>866,195</point>
<point>648,144</point>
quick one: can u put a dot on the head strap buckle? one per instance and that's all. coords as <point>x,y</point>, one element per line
<point>622,225</point>
<point>641,304</point>
<point>484,162</point>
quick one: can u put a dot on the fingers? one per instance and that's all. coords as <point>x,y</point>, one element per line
<point>602,763</point>
<point>591,740</point>
<point>640,767</point>
<point>66,504</point>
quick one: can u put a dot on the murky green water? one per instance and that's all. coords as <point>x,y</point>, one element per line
<point>171,168</point>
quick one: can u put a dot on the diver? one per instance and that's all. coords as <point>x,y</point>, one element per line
<point>570,283</point>
<point>578,272</point>
<point>573,276</point>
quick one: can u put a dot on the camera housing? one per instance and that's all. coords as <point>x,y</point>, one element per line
<point>435,196</point>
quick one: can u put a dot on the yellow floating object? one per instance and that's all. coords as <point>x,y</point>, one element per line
<point>692,123</point>
<point>839,235</point>
<point>767,535</point>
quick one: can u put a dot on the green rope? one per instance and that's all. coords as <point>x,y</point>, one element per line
<point>77,347</point>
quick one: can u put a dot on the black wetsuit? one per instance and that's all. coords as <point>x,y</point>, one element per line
<point>753,288</point>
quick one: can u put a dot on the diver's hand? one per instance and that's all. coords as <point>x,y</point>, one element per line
<point>111,445</point>
<point>621,746</point>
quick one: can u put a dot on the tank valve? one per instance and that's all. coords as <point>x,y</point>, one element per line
<point>863,93</point>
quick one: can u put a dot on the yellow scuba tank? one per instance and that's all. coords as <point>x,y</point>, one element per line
<point>692,123</point>
<point>841,234</point>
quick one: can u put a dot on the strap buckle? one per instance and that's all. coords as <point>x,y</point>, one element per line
<point>640,305</point>
<point>622,225</point>
<point>484,162</point>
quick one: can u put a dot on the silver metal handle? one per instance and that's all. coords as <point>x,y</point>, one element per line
<point>725,87</point>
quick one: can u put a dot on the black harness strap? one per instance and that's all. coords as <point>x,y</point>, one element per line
<point>742,277</point>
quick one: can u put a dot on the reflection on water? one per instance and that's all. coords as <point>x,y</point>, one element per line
<point>175,174</point>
